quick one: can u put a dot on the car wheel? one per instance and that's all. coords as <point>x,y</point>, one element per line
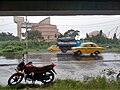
<point>78,53</point>
<point>96,53</point>
<point>51,50</point>
<point>64,50</point>
<point>91,54</point>
<point>75,53</point>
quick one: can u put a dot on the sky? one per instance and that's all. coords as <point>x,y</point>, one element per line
<point>109,24</point>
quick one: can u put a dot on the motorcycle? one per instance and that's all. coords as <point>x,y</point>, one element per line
<point>45,74</point>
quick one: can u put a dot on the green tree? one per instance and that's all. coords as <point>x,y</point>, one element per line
<point>60,35</point>
<point>101,33</point>
<point>71,33</point>
<point>7,36</point>
<point>87,36</point>
<point>34,35</point>
<point>114,37</point>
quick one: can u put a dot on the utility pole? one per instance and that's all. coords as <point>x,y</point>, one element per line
<point>26,38</point>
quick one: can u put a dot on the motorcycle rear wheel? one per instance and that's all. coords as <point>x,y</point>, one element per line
<point>15,79</point>
<point>48,77</point>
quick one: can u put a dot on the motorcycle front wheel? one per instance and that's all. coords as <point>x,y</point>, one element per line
<point>47,77</point>
<point>15,79</point>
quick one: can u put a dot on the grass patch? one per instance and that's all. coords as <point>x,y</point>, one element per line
<point>112,50</point>
<point>98,83</point>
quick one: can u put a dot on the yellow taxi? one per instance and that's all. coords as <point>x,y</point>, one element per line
<point>88,47</point>
<point>53,48</point>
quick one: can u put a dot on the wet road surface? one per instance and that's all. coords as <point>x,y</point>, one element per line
<point>68,65</point>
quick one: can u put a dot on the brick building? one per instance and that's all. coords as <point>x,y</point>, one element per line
<point>49,31</point>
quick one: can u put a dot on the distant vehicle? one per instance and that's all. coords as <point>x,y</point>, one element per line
<point>66,43</point>
<point>88,47</point>
<point>54,48</point>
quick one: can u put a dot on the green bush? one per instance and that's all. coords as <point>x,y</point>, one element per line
<point>8,49</point>
<point>18,48</point>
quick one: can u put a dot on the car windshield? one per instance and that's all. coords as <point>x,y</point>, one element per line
<point>82,45</point>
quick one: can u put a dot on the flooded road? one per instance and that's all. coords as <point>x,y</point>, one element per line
<point>68,65</point>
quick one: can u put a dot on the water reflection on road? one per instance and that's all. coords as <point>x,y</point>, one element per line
<point>68,65</point>
<point>67,57</point>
